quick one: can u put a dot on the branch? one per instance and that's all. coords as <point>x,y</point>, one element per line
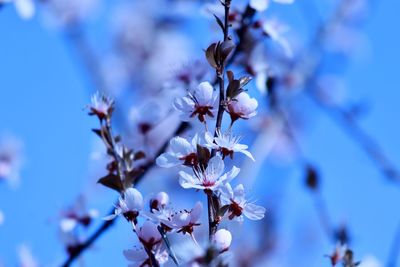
<point>107,224</point>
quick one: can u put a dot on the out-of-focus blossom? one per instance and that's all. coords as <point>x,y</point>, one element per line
<point>160,200</point>
<point>238,205</point>
<point>181,152</point>
<point>275,29</point>
<point>1,217</point>
<point>338,254</point>
<point>10,160</point>
<point>226,144</point>
<point>69,12</point>
<point>209,179</point>
<point>101,106</point>
<point>26,258</point>
<point>200,104</point>
<point>261,5</point>
<point>222,240</point>
<point>25,8</point>
<point>129,205</point>
<point>185,221</point>
<point>145,117</point>
<point>139,257</point>
<point>71,220</point>
<point>370,261</point>
<point>149,235</point>
<point>242,106</point>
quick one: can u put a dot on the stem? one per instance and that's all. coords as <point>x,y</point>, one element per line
<point>171,253</point>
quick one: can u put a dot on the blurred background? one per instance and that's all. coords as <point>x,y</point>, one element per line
<point>51,64</point>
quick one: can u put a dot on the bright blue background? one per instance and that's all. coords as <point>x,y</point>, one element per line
<point>43,91</point>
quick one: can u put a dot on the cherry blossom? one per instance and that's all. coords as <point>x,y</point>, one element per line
<point>185,221</point>
<point>129,205</point>
<point>238,205</point>
<point>181,152</point>
<point>101,106</point>
<point>159,201</point>
<point>222,240</point>
<point>261,5</point>
<point>149,235</point>
<point>226,144</point>
<point>242,106</point>
<point>139,257</point>
<point>202,103</point>
<point>210,178</point>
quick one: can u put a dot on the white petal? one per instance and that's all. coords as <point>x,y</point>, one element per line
<point>180,145</point>
<point>166,160</point>
<point>133,199</point>
<point>215,166</point>
<point>248,154</point>
<point>196,212</point>
<point>204,93</point>
<point>67,224</point>
<point>259,5</point>
<point>222,239</point>
<point>135,255</point>
<point>232,173</point>
<point>25,8</point>
<point>254,212</point>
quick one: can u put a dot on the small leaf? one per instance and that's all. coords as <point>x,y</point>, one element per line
<point>219,22</point>
<point>223,210</point>
<point>226,49</point>
<point>131,176</point>
<point>233,89</point>
<point>97,132</point>
<point>112,181</point>
<point>210,55</point>
<point>139,155</point>
<point>244,81</point>
<point>203,156</point>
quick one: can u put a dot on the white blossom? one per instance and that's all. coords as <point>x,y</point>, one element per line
<point>129,205</point>
<point>209,179</point>
<point>101,106</point>
<point>202,103</point>
<point>262,5</point>
<point>242,106</point>
<point>149,235</point>
<point>238,205</point>
<point>181,152</point>
<point>226,144</point>
<point>222,240</point>
<point>26,258</point>
<point>370,261</point>
<point>139,257</point>
<point>160,200</point>
<point>185,221</point>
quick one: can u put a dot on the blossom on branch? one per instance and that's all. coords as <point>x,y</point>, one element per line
<point>128,206</point>
<point>101,106</point>
<point>242,106</point>
<point>201,104</point>
<point>209,178</point>
<point>226,144</point>
<point>222,240</point>
<point>181,152</point>
<point>238,205</point>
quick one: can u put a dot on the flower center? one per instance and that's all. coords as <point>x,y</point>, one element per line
<point>201,112</point>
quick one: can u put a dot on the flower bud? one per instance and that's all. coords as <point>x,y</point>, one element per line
<point>222,240</point>
<point>159,200</point>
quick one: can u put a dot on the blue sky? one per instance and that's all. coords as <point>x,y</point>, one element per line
<point>43,91</point>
